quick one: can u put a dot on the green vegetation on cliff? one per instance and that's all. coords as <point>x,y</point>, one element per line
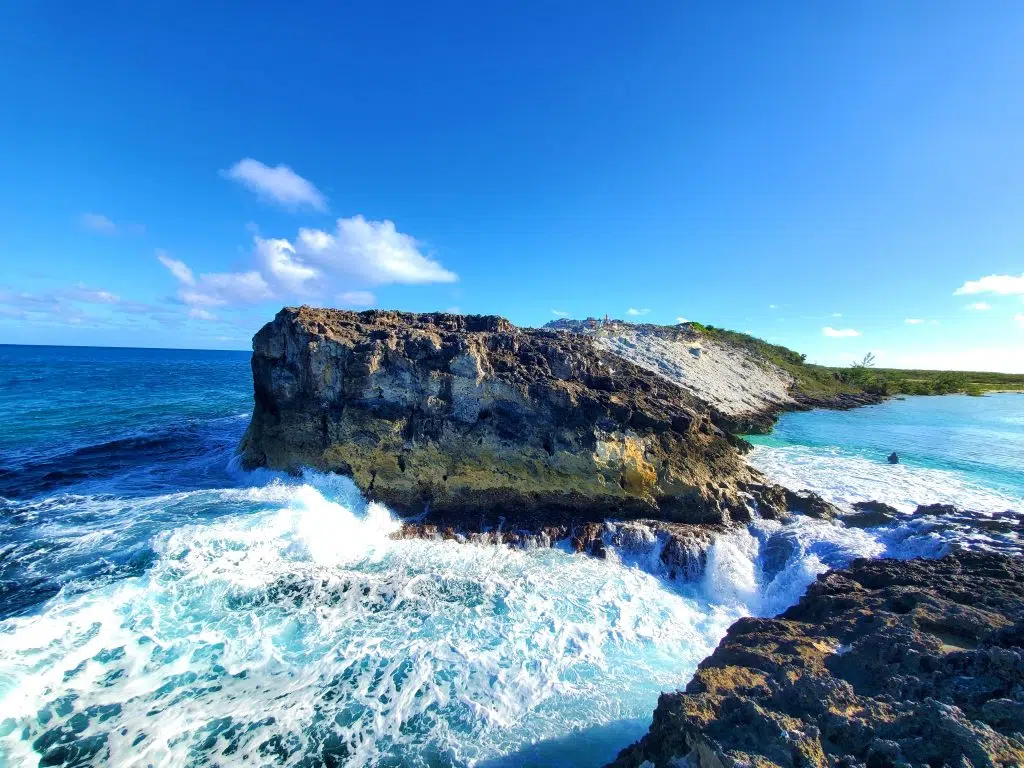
<point>819,380</point>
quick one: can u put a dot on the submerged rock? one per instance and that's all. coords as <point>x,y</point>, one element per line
<point>811,504</point>
<point>475,420</point>
<point>886,663</point>
<point>871,514</point>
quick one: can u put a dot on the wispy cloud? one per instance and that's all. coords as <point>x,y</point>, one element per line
<point>773,306</point>
<point>681,320</point>
<point>279,184</point>
<point>839,333</point>
<point>836,314</point>
<point>980,306</point>
<point>559,313</point>
<point>317,265</point>
<point>177,268</point>
<point>202,314</point>
<point>1019,319</point>
<point>1002,285</point>
<point>71,306</point>
<point>637,312</point>
<point>97,222</point>
<point>913,321</point>
<point>357,299</point>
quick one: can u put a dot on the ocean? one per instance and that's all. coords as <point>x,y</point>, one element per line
<point>159,606</point>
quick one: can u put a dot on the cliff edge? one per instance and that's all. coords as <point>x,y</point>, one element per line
<point>474,420</point>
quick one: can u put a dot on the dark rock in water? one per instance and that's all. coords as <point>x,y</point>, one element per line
<point>894,458</point>
<point>938,510</point>
<point>871,514</point>
<point>477,421</point>
<point>811,504</point>
<point>886,663</point>
<point>676,550</point>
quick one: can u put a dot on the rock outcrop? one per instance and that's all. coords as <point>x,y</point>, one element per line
<point>887,663</point>
<point>745,389</point>
<point>474,420</point>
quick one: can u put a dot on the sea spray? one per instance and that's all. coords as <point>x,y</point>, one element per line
<point>304,631</point>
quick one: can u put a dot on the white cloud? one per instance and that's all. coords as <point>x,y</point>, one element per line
<point>682,320</point>
<point>87,295</point>
<point>201,314</point>
<point>279,184</point>
<point>913,321</point>
<point>637,312</point>
<point>97,222</point>
<point>233,287</point>
<point>773,306</point>
<point>316,266</point>
<point>178,268</point>
<point>217,289</point>
<point>980,306</point>
<point>357,299</point>
<point>1019,319</point>
<point>1003,285</point>
<point>559,313</point>
<point>839,333</point>
<point>281,265</point>
<point>836,314</point>
<point>374,251</point>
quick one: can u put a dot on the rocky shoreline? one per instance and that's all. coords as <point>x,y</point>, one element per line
<point>478,431</point>
<point>885,663</point>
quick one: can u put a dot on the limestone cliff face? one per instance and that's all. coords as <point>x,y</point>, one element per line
<point>474,419</point>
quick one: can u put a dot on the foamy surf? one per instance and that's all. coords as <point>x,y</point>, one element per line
<point>845,478</point>
<point>305,633</point>
<point>291,628</point>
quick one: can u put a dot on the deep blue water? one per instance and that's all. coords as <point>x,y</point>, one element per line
<point>158,606</point>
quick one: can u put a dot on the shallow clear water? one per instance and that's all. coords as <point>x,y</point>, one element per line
<point>160,607</point>
<point>953,449</point>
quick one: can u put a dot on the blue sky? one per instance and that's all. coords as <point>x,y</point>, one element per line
<point>836,177</point>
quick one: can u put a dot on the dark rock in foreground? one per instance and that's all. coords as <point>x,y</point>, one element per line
<point>476,420</point>
<point>887,663</point>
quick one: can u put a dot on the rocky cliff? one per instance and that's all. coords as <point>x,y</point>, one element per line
<point>746,382</point>
<point>887,663</point>
<point>474,420</point>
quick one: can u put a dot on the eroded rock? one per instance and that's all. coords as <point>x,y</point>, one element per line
<point>474,421</point>
<point>887,663</point>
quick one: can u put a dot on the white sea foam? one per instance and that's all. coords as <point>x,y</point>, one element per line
<point>304,631</point>
<point>844,479</point>
<point>284,626</point>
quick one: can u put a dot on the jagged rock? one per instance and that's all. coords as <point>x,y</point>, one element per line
<point>476,420</point>
<point>674,550</point>
<point>886,663</point>
<point>871,514</point>
<point>811,504</point>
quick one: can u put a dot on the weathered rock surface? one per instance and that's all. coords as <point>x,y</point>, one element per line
<point>745,390</point>
<point>479,421</point>
<point>887,663</point>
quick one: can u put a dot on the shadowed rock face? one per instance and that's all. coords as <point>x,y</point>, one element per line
<point>887,663</point>
<point>473,418</point>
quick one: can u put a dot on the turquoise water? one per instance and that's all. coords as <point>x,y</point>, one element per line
<point>158,606</point>
<point>953,449</point>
